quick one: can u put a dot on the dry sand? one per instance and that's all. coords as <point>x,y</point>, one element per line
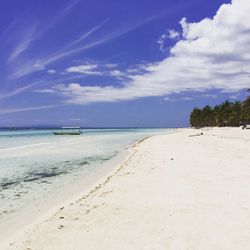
<point>173,192</point>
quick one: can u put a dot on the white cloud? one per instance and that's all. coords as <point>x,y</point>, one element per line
<point>186,98</point>
<point>87,69</point>
<point>110,65</point>
<point>51,71</point>
<point>45,91</point>
<point>161,42</point>
<point>171,34</point>
<point>132,71</point>
<point>75,119</point>
<point>213,54</point>
<point>116,73</point>
<point>184,26</point>
<point>209,96</point>
<point>97,69</point>
<point>38,66</point>
<point>233,97</point>
<point>168,99</point>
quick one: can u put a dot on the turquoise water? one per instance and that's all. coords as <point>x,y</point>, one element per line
<point>35,163</point>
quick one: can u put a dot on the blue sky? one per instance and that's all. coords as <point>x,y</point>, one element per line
<point>120,63</point>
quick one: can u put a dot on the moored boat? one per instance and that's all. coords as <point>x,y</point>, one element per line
<point>68,131</point>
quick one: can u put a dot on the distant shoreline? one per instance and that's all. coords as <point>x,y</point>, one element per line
<point>59,127</point>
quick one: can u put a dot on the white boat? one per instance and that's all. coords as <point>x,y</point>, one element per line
<point>68,131</point>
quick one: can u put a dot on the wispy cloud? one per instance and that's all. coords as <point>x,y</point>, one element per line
<point>23,88</point>
<point>209,96</point>
<point>16,110</point>
<point>18,90</point>
<point>87,34</point>
<point>116,73</point>
<point>4,34</point>
<point>213,54</point>
<point>56,19</point>
<point>69,49</point>
<point>110,65</point>
<point>29,35</point>
<point>97,69</point>
<point>186,98</point>
<point>28,65</point>
<point>34,65</point>
<point>23,44</point>
<point>51,71</point>
<point>87,69</point>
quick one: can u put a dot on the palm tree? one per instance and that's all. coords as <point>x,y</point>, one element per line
<point>217,116</point>
<point>195,118</point>
<point>236,114</point>
<point>207,116</point>
<point>226,114</point>
<point>246,111</point>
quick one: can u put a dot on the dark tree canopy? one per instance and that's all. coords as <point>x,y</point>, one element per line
<point>226,114</point>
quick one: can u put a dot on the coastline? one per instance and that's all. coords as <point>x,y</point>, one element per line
<point>99,175</point>
<point>184,190</point>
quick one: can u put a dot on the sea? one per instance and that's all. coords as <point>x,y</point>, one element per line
<point>38,168</point>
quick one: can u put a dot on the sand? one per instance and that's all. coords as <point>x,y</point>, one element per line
<point>174,191</point>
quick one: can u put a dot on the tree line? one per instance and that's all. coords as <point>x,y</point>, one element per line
<point>226,114</point>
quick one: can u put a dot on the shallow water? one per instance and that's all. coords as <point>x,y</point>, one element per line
<point>35,163</point>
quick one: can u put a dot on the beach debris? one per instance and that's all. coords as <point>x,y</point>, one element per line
<point>171,159</point>
<point>61,217</point>
<point>196,135</point>
<point>61,208</point>
<point>61,226</point>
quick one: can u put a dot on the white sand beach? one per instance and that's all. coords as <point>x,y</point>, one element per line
<point>174,191</point>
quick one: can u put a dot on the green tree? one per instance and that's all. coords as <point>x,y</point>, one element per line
<point>246,111</point>
<point>196,118</point>
<point>207,116</point>
<point>236,115</point>
<point>217,120</point>
<point>226,114</point>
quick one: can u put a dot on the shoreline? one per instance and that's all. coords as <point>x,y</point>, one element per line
<point>173,191</point>
<point>90,184</point>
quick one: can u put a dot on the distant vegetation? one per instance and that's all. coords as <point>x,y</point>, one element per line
<point>226,114</point>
